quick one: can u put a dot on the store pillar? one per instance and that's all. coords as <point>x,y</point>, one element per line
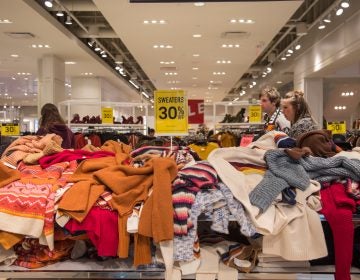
<point>51,71</point>
<point>88,89</point>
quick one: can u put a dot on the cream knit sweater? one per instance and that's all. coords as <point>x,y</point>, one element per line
<point>294,233</point>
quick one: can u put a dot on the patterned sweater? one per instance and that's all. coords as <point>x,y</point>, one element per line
<point>301,126</point>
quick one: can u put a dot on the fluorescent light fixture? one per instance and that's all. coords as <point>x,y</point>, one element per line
<point>5,21</point>
<point>134,84</point>
<point>199,4</point>
<point>196,35</point>
<point>144,93</point>
<point>15,55</point>
<point>48,3</point>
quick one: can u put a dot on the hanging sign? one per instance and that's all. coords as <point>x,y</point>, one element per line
<point>254,113</point>
<point>107,115</point>
<point>171,112</point>
<point>10,129</point>
<point>337,127</point>
<point>196,111</point>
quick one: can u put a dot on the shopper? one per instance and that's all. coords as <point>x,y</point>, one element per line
<point>52,122</point>
<point>270,104</point>
<point>296,110</point>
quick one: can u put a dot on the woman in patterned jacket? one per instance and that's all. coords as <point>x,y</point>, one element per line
<point>296,110</point>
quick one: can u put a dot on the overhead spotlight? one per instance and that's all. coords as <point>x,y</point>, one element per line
<point>119,59</point>
<point>268,69</point>
<point>298,47</point>
<point>283,58</point>
<point>301,29</point>
<point>321,25</point>
<point>327,19</point>
<point>68,20</point>
<point>290,51</point>
<point>345,4</point>
<point>60,13</point>
<point>339,11</point>
<point>93,31</point>
<point>104,55</point>
<point>97,48</point>
<point>91,43</point>
<point>48,3</point>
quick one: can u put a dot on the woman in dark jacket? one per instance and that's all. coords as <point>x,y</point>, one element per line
<point>52,122</point>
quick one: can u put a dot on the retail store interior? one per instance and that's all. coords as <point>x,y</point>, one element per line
<point>84,55</point>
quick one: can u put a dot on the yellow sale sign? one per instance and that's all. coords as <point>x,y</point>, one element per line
<point>254,113</point>
<point>171,112</point>
<point>10,129</point>
<point>107,115</point>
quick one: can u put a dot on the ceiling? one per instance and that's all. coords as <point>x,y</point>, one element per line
<point>126,21</point>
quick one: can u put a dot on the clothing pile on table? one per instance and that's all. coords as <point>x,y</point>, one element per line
<point>114,201</point>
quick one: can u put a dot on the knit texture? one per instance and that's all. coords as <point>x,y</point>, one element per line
<point>7,175</point>
<point>328,169</point>
<point>283,172</point>
<point>188,182</point>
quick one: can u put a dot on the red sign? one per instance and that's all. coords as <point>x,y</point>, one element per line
<point>196,111</point>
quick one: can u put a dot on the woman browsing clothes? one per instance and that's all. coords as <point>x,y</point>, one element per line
<point>52,122</point>
<point>296,110</point>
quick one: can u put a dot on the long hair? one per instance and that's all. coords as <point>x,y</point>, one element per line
<point>50,115</point>
<point>301,107</point>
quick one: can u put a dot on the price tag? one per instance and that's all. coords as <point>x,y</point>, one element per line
<point>246,140</point>
<point>337,127</point>
<point>107,115</point>
<point>254,113</point>
<point>171,112</point>
<point>10,129</point>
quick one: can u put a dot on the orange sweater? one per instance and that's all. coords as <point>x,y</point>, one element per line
<point>131,185</point>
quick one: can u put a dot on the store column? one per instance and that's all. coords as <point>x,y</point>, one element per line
<point>314,91</point>
<point>51,70</point>
<point>87,92</point>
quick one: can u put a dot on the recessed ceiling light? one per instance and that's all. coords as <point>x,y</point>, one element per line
<point>14,55</point>
<point>245,21</point>
<point>219,73</point>
<point>199,4</point>
<point>279,82</point>
<point>167,62</point>
<point>196,35</point>
<point>230,46</point>
<point>223,61</point>
<point>161,21</point>
<point>195,68</point>
<point>194,78</point>
<point>5,21</point>
<point>87,74</point>
<point>40,46</point>
<point>70,62</point>
<point>162,47</point>
<point>196,55</point>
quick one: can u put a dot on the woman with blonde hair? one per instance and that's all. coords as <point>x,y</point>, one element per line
<point>297,111</point>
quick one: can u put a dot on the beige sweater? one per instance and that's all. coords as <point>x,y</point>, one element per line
<point>288,231</point>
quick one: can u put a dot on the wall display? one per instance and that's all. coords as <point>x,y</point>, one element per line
<point>196,111</point>
<point>171,110</point>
